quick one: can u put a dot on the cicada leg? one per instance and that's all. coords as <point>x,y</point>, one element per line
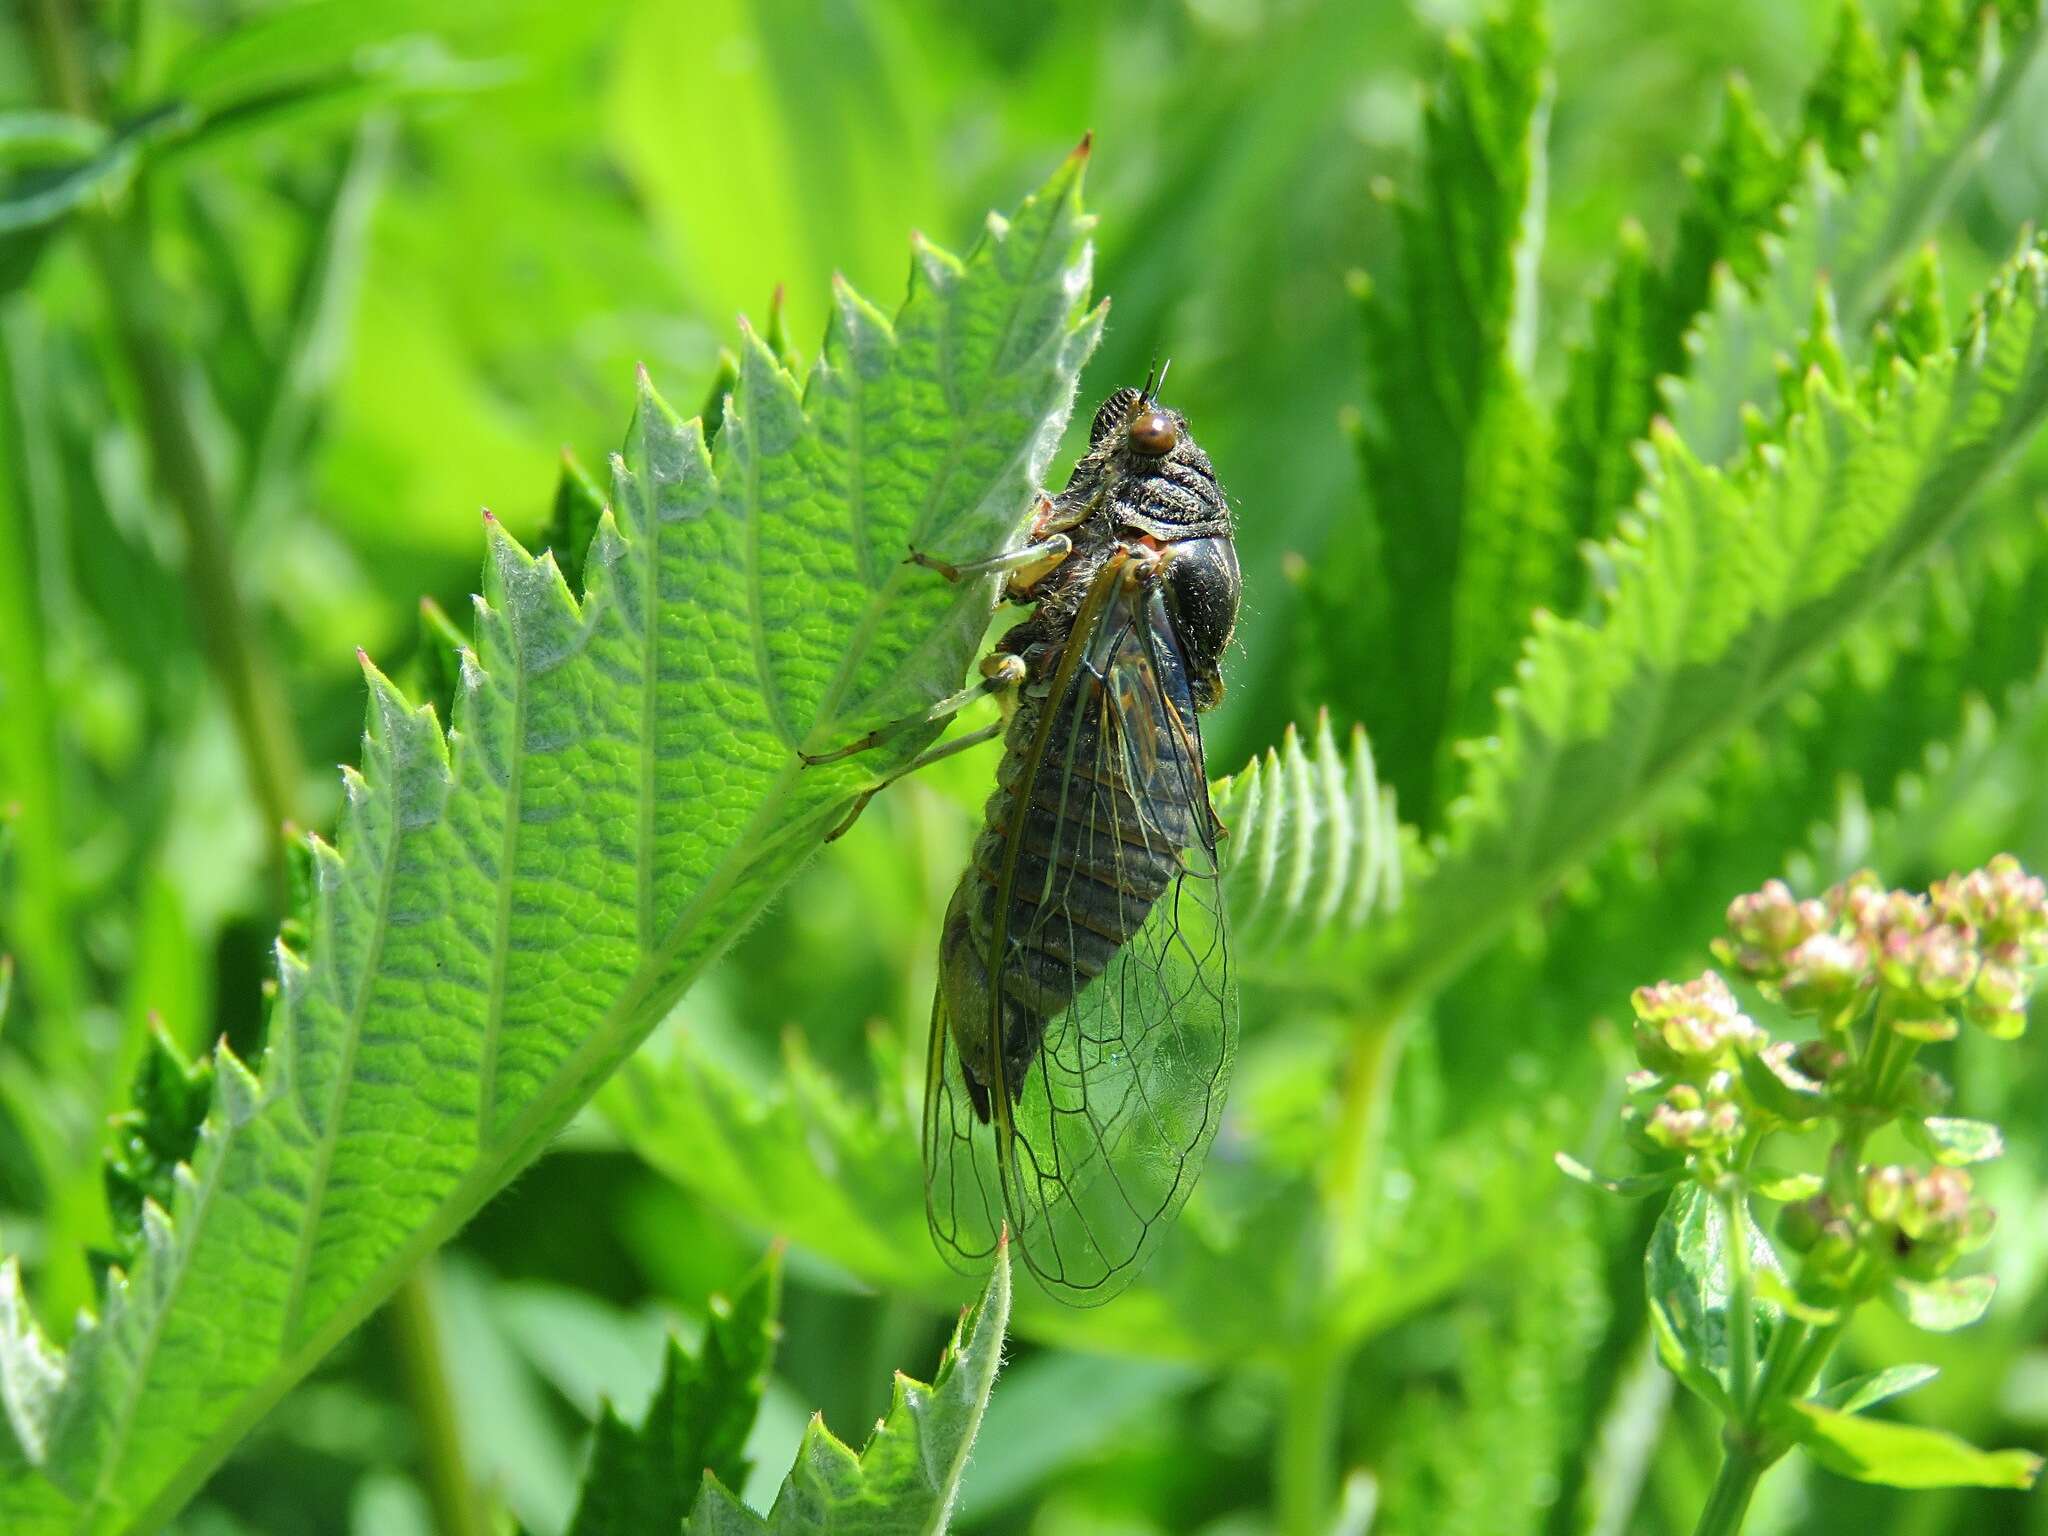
<point>1027,567</point>
<point>1000,673</point>
<point>922,761</point>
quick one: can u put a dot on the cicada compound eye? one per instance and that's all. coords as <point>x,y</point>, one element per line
<point>1153,433</point>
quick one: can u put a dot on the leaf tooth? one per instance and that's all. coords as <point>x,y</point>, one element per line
<point>931,269</point>
<point>1340,831</point>
<point>31,1369</point>
<point>159,1240</point>
<point>238,1094</point>
<point>1303,806</point>
<point>1269,836</point>
<point>857,334</point>
<point>767,399</point>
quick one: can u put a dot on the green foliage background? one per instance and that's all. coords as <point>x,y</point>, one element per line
<point>381,262</point>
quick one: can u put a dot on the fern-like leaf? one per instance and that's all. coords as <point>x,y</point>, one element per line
<point>1314,854</point>
<point>509,908</point>
<point>1725,587</point>
<point>905,1480</point>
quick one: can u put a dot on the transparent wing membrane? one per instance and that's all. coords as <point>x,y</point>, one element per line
<point>1113,903</point>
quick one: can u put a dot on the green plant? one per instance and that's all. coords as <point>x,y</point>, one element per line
<point>1883,974</point>
<point>1663,556</point>
<point>483,943</point>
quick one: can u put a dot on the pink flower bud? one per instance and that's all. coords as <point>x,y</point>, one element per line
<point>1823,972</point>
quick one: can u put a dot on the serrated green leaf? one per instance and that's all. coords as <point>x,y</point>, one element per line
<point>153,1137</point>
<point>1417,620</point>
<point>1866,1391</point>
<point>1724,590</point>
<point>1903,1455</point>
<point>1686,1272</point>
<point>646,1478</point>
<point>1849,233</point>
<point>1956,1142</point>
<point>906,1478</point>
<point>573,519</point>
<point>1763,225</point>
<point>1942,1306</point>
<point>510,908</point>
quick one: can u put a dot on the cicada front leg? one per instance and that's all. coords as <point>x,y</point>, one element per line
<point>1027,567</point>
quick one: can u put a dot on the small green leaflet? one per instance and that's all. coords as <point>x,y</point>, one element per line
<point>645,1478</point>
<point>903,1482</point>
<point>1903,1455</point>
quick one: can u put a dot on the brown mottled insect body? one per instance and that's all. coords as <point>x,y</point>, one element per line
<point>1085,1012</point>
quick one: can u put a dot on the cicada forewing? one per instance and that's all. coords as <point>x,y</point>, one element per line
<point>1090,1163</point>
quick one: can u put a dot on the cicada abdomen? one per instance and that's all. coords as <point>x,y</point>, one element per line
<point>1085,1020</point>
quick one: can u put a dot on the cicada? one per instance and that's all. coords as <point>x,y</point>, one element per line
<point>1085,1020</point>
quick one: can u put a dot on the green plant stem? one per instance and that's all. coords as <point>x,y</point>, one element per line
<point>1734,1486</point>
<point>134,298</point>
<point>1311,1425</point>
<point>1311,1421</point>
<point>1741,1300</point>
<point>416,1342</point>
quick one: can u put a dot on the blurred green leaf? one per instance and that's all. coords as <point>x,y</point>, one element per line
<point>907,1476</point>
<point>1956,1142</point>
<point>1942,1306</point>
<point>1848,233</point>
<point>645,1478</point>
<point>1634,1184</point>
<point>1058,1409</point>
<point>1874,1387</point>
<point>1764,223</point>
<point>1686,1271</point>
<point>1480,1454</point>
<point>1903,1455</point>
<point>502,923</point>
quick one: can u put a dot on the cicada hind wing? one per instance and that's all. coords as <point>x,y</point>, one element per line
<point>963,1186</point>
<point>1110,1133</point>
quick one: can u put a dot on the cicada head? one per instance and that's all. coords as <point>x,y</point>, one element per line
<point>1158,479</point>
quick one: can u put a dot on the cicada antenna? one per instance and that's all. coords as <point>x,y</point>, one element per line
<point>1145,394</point>
<point>1153,391</point>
